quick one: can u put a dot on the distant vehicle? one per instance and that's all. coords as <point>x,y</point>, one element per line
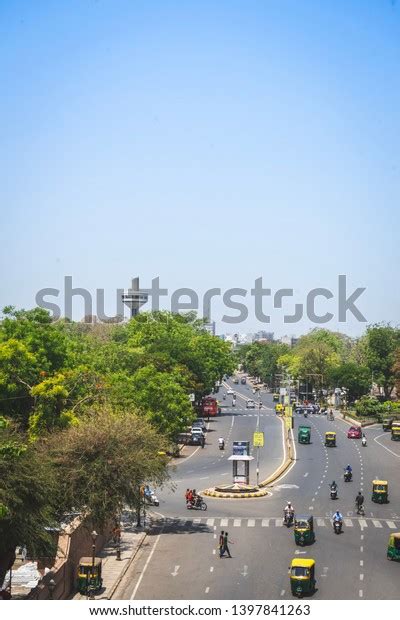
<point>250,404</point>
<point>236,380</point>
<point>200,423</point>
<point>230,392</point>
<point>243,380</point>
<point>197,429</point>
<point>354,432</point>
<point>209,406</point>
<point>387,424</point>
<point>196,437</point>
<point>275,398</point>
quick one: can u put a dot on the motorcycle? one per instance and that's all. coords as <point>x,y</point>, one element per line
<point>360,509</point>
<point>288,517</point>
<point>197,504</point>
<point>364,442</point>
<point>334,493</point>
<point>347,476</point>
<point>152,499</point>
<point>221,445</point>
<point>337,527</point>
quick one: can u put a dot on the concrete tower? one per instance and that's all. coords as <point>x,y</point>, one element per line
<point>134,298</point>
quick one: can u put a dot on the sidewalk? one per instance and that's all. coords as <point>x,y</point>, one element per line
<point>113,570</point>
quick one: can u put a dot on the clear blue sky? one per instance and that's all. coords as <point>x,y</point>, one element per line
<point>208,143</point>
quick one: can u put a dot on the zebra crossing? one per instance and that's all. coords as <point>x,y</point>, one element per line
<point>271,522</point>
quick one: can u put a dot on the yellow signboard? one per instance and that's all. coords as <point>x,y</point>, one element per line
<point>258,440</point>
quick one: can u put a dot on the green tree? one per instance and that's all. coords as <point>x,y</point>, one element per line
<point>354,377</point>
<point>27,491</point>
<point>381,343</point>
<point>102,461</point>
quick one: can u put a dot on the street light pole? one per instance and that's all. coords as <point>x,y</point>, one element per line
<point>91,586</point>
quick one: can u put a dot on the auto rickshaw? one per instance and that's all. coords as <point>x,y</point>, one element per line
<point>330,439</point>
<point>279,408</point>
<point>275,397</point>
<point>380,491</point>
<point>89,575</point>
<point>302,577</point>
<point>304,434</point>
<point>393,550</point>
<point>304,530</point>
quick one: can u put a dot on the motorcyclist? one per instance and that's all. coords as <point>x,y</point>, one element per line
<point>338,518</point>
<point>359,502</point>
<point>221,443</point>
<point>333,486</point>
<point>190,497</point>
<point>364,440</point>
<point>348,472</point>
<point>289,510</point>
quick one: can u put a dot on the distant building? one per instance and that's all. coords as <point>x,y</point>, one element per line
<point>134,298</point>
<point>264,336</point>
<point>291,341</point>
<point>209,327</point>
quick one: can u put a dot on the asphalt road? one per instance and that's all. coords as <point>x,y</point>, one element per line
<point>179,559</point>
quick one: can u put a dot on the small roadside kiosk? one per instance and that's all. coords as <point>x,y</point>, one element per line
<point>241,462</point>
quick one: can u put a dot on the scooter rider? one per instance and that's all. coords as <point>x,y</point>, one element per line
<point>333,486</point>
<point>338,518</point>
<point>289,510</point>
<point>364,440</point>
<point>348,473</point>
<point>221,443</point>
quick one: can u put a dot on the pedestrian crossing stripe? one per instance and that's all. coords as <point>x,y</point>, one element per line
<point>276,522</point>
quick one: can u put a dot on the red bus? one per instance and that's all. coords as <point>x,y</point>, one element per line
<point>209,406</point>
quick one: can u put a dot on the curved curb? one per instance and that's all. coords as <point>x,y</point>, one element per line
<point>245,495</point>
<point>285,465</point>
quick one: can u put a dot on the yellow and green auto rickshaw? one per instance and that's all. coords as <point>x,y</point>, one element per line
<point>279,408</point>
<point>395,431</point>
<point>380,492</point>
<point>330,439</point>
<point>302,577</point>
<point>304,434</point>
<point>393,550</point>
<point>89,575</point>
<point>304,530</point>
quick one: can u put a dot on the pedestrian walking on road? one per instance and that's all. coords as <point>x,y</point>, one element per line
<point>225,546</point>
<point>221,543</point>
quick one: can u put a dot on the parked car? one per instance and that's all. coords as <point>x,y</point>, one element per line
<point>196,437</point>
<point>354,432</point>
<point>250,404</point>
<point>230,392</point>
<point>200,423</point>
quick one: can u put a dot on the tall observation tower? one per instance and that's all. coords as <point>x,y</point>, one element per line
<point>134,298</point>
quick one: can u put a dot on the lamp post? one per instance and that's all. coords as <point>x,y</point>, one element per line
<point>94,535</point>
<point>51,586</point>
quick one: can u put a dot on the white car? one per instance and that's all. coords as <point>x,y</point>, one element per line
<point>250,404</point>
<point>230,392</point>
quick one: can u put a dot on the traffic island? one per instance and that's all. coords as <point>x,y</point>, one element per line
<point>235,491</point>
<point>241,491</point>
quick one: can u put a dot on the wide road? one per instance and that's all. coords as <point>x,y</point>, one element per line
<point>179,559</point>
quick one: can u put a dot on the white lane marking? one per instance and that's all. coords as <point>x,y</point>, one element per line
<point>245,571</point>
<point>226,473</point>
<point>176,570</point>
<point>321,522</point>
<point>283,592</point>
<point>204,478</point>
<point>361,577</point>
<point>363,523</point>
<point>207,590</point>
<point>376,523</point>
<point>210,521</point>
<point>145,568</point>
<point>224,522</point>
<point>305,475</point>
<point>278,522</point>
<point>237,522</point>
<point>251,522</point>
<point>348,522</point>
<point>211,569</point>
<point>197,520</point>
<point>360,593</point>
<point>388,449</point>
<point>214,551</point>
<point>265,523</point>
<point>361,562</point>
<point>361,549</point>
<point>391,525</point>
